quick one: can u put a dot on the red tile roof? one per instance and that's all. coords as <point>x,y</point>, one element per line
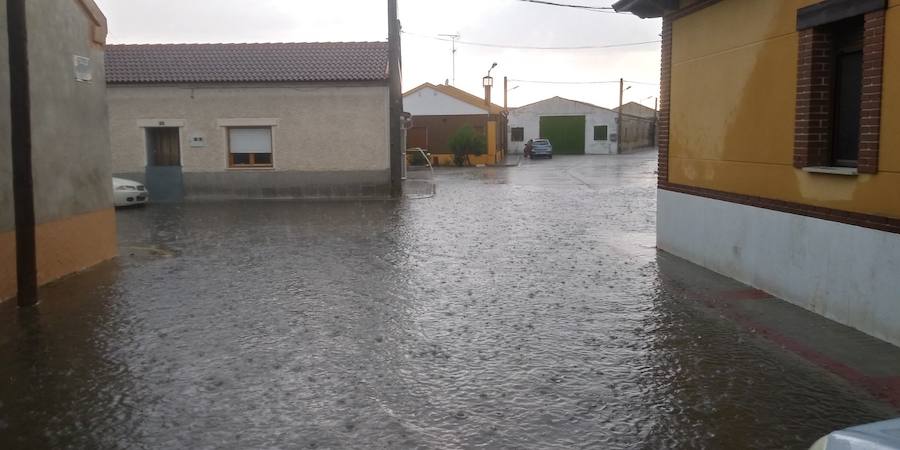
<point>246,63</point>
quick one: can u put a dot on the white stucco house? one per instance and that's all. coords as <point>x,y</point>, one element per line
<point>573,127</point>
<point>251,120</point>
<point>439,110</point>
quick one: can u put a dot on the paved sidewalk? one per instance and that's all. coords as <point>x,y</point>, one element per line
<point>640,150</point>
<point>862,360</point>
<point>511,160</point>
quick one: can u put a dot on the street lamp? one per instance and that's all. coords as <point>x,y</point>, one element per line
<point>488,82</point>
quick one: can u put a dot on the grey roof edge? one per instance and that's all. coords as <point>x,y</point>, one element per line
<point>240,83</point>
<point>343,61</point>
<point>566,99</point>
<point>247,44</point>
<point>646,8</point>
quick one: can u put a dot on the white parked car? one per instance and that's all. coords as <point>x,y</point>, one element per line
<point>129,192</point>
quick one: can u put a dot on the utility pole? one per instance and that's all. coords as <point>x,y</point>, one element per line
<point>656,121</point>
<point>505,116</point>
<point>396,99</point>
<point>23,182</point>
<point>505,93</point>
<point>453,38</point>
<point>621,126</point>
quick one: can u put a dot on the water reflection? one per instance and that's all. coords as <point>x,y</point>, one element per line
<point>722,386</point>
<point>519,308</point>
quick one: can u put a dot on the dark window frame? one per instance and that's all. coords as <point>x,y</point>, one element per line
<point>817,115</point>
<point>605,135</point>
<point>512,134</point>
<point>845,46</point>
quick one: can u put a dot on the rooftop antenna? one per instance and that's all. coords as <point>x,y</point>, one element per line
<point>453,38</point>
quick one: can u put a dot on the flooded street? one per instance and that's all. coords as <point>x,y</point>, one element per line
<point>520,307</point>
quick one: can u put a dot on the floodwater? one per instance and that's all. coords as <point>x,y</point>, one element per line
<point>521,307</point>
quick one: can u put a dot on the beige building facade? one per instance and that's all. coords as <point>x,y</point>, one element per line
<point>262,139</point>
<point>75,221</point>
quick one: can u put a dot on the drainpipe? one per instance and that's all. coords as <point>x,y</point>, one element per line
<point>396,99</point>
<point>23,182</point>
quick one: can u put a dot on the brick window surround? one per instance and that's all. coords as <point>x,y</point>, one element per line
<point>815,79</point>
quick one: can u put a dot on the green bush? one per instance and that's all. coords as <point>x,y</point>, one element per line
<point>466,142</point>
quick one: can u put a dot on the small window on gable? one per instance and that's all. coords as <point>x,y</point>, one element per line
<point>601,133</point>
<point>518,134</point>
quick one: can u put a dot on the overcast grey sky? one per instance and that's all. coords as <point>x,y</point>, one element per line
<point>504,22</point>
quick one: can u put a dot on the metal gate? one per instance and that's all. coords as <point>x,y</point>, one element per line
<point>566,133</point>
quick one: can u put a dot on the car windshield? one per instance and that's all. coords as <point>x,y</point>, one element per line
<point>541,142</point>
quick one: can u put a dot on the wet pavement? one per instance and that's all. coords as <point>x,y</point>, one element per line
<point>519,307</point>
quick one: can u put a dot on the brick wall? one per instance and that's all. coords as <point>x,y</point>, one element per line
<point>665,98</point>
<point>851,218</point>
<point>813,121</point>
<point>815,88</point>
<point>873,70</point>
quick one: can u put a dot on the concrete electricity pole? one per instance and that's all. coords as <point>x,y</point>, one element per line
<point>505,93</point>
<point>396,99</point>
<point>621,126</point>
<point>20,139</point>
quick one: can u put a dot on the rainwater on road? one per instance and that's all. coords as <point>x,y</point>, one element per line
<point>520,307</point>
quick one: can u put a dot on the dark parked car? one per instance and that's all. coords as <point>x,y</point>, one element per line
<point>542,148</point>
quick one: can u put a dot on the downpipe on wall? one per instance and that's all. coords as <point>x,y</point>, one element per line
<point>23,178</point>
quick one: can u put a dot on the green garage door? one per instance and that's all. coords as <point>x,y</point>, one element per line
<point>566,133</point>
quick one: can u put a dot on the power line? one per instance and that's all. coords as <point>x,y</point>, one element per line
<point>527,47</point>
<point>583,82</point>
<point>563,82</point>
<point>600,9</point>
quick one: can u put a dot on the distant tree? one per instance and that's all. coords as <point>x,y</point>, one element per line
<point>466,142</point>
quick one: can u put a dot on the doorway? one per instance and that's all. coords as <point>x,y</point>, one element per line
<point>164,176</point>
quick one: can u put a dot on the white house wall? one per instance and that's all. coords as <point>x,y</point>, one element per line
<point>844,272</point>
<point>430,102</point>
<point>322,135</point>
<point>529,117</point>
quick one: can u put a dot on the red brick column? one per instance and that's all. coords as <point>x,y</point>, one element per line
<point>665,97</point>
<point>873,69</point>
<point>812,123</point>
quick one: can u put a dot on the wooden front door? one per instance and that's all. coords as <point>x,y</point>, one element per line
<point>163,147</point>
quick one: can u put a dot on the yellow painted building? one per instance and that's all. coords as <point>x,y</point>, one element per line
<point>779,150</point>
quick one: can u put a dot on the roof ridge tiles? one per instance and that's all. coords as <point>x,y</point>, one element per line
<point>247,62</point>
